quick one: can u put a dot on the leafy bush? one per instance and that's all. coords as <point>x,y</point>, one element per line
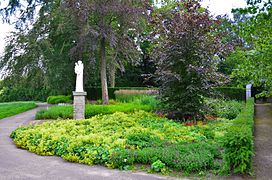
<point>66,112</point>
<point>232,93</point>
<point>157,166</point>
<point>59,99</point>
<point>120,140</point>
<point>13,108</point>
<point>238,142</point>
<point>223,108</point>
<point>121,158</point>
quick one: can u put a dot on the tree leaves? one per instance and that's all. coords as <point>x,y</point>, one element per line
<point>186,58</point>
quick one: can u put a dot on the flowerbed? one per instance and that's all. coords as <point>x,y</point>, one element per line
<point>121,140</point>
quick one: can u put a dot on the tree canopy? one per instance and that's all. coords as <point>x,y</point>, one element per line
<point>254,58</point>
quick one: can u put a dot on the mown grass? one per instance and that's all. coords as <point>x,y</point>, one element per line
<point>66,112</point>
<point>13,108</point>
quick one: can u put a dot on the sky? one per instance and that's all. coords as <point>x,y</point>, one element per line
<point>216,7</point>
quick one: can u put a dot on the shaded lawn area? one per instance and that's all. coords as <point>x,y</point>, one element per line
<point>13,108</point>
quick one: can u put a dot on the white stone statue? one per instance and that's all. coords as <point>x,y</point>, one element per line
<point>79,72</point>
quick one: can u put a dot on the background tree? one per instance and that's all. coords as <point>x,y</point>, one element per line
<point>106,24</point>
<point>101,33</point>
<point>187,66</point>
<point>38,58</point>
<point>254,59</point>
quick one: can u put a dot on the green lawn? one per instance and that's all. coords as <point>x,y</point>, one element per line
<point>13,108</point>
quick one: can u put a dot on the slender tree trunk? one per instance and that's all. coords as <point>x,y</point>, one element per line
<point>112,75</point>
<point>112,70</point>
<point>103,72</point>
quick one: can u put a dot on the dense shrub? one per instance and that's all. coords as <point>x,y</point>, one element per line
<point>66,112</point>
<point>233,93</point>
<point>238,142</point>
<point>121,140</point>
<point>59,99</point>
<point>23,94</point>
<point>223,108</point>
<point>185,59</point>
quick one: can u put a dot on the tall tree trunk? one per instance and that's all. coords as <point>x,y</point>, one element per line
<point>112,70</point>
<point>103,72</point>
<point>112,76</point>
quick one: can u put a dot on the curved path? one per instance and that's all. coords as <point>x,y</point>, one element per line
<point>262,161</point>
<point>20,164</point>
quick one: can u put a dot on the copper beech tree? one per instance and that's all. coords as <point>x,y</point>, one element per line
<point>188,50</point>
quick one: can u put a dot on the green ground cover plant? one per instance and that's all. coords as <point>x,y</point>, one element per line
<point>13,108</point>
<point>66,112</point>
<point>121,140</point>
<point>59,99</point>
<point>228,109</point>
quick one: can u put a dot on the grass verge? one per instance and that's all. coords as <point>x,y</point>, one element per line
<point>13,108</point>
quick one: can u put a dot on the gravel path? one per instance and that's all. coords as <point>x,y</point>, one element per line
<point>17,163</point>
<point>263,142</point>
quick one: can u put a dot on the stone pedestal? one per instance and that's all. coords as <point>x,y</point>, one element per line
<point>79,105</point>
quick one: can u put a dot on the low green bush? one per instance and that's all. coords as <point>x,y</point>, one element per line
<point>13,108</point>
<point>229,109</point>
<point>158,166</point>
<point>66,112</point>
<point>238,142</point>
<point>59,99</point>
<point>190,157</point>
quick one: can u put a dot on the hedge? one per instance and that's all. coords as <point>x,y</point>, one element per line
<point>95,93</point>
<point>232,93</point>
<point>59,99</point>
<point>238,142</point>
<point>23,94</point>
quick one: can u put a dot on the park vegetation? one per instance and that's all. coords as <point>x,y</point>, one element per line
<point>188,113</point>
<point>122,140</point>
<point>13,108</point>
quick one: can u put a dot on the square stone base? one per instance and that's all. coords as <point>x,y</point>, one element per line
<point>79,105</point>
